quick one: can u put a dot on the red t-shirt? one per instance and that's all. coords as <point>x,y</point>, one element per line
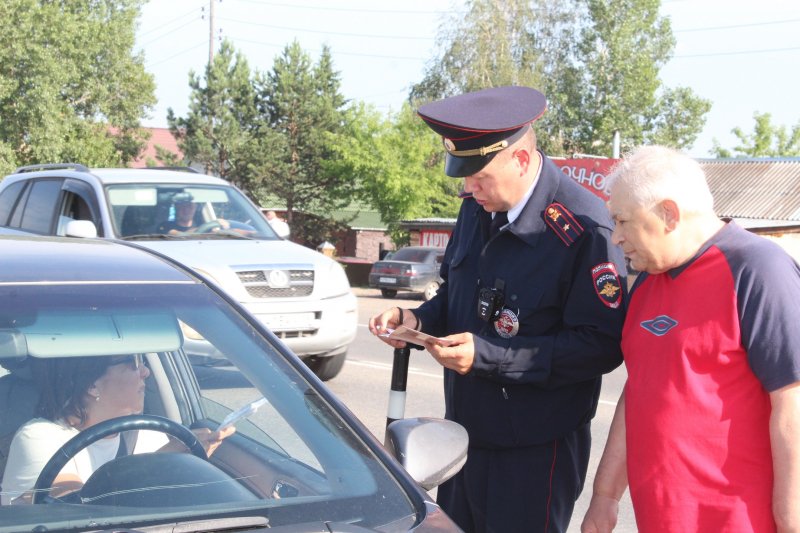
<point>703,345</point>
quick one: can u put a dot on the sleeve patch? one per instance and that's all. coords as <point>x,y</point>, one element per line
<point>607,284</point>
<point>563,223</point>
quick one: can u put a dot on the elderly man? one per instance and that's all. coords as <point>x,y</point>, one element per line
<point>707,431</point>
<point>532,304</point>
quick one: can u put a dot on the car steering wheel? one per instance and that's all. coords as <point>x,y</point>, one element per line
<point>104,429</point>
<point>233,225</point>
<point>208,227</point>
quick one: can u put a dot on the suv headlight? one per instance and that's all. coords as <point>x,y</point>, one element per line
<point>334,282</point>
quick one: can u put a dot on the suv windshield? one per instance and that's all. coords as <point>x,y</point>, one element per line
<point>154,210</point>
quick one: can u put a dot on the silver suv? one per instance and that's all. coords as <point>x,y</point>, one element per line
<point>301,295</point>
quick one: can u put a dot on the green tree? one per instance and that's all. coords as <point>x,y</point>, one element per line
<point>766,140</point>
<point>597,61</point>
<point>622,50</point>
<point>397,163</point>
<point>219,128</point>
<point>71,88</point>
<point>301,114</point>
<point>513,42</point>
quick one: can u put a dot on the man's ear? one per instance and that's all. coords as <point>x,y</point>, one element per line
<point>671,214</point>
<point>523,158</point>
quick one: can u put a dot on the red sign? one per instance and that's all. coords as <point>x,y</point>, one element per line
<point>436,239</point>
<point>589,172</point>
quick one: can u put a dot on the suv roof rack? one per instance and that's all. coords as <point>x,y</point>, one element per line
<point>181,169</point>
<point>52,166</point>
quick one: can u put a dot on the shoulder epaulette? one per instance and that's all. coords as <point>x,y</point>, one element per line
<point>563,223</point>
<point>464,195</point>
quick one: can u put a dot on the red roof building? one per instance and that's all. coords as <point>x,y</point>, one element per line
<point>158,137</point>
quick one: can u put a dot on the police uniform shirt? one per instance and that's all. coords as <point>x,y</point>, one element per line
<point>536,372</point>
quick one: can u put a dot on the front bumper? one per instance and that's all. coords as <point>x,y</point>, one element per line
<point>317,327</point>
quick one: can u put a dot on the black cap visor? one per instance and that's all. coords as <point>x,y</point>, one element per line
<point>460,167</point>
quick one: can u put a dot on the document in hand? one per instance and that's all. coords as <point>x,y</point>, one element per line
<point>413,336</point>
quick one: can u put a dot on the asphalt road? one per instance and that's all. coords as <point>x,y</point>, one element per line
<point>363,386</point>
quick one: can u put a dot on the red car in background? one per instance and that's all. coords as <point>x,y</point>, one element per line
<point>413,268</point>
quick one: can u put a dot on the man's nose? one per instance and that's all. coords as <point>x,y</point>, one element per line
<point>144,371</point>
<point>469,184</point>
<point>616,235</point>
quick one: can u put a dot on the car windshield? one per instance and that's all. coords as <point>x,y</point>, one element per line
<point>291,460</point>
<point>147,210</point>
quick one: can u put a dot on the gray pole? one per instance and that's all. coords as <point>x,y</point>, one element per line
<point>210,32</point>
<point>397,392</point>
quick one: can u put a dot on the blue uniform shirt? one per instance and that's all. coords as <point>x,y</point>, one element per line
<point>544,381</point>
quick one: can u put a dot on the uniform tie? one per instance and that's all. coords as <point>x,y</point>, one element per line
<point>500,219</point>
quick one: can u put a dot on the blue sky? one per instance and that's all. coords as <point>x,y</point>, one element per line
<point>743,55</point>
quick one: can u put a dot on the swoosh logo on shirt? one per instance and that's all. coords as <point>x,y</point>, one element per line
<point>659,325</point>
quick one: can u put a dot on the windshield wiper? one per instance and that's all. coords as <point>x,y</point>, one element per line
<point>150,236</point>
<point>186,236</point>
<point>234,523</point>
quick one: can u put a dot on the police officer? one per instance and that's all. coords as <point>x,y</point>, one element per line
<point>533,300</point>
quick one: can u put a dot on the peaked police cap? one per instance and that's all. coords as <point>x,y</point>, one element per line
<point>476,126</point>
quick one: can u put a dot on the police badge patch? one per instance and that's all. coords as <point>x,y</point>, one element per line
<point>507,324</point>
<point>607,285</point>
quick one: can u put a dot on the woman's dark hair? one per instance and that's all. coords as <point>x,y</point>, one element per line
<point>63,383</point>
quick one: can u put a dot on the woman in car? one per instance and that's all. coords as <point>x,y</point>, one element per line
<point>75,394</point>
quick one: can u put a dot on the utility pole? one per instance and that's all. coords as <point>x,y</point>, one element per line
<point>210,31</point>
<point>210,50</point>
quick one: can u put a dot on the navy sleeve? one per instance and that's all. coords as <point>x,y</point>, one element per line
<point>768,301</point>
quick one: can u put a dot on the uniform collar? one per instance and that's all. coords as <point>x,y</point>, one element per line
<point>529,225</point>
<point>514,212</point>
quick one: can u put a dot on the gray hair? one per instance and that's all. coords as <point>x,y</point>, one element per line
<point>651,174</point>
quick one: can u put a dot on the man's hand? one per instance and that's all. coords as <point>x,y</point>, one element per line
<point>601,517</point>
<point>459,356</point>
<point>390,319</point>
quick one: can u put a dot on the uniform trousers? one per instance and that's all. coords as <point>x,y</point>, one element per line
<point>530,489</point>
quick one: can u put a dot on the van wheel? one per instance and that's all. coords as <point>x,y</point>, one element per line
<point>388,293</point>
<point>327,368</point>
<point>430,290</point>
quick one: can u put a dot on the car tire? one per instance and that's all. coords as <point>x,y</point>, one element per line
<point>430,290</point>
<point>388,293</point>
<point>327,368</point>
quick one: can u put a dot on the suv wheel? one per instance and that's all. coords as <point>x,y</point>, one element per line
<point>327,368</point>
<point>388,293</point>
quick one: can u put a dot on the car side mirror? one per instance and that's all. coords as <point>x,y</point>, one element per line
<point>430,449</point>
<point>81,228</point>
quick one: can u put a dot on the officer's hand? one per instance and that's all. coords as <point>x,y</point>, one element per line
<point>459,356</point>
<point>390,319</point>
<point>601,517</point>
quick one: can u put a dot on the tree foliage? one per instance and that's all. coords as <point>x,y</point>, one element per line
<point>397,162</point>
<point>271,133</point>
<point>71,88</point>
<point>596,60</point>
<point>301,115</point>
<point>766,140</point>
<point>218,129</point>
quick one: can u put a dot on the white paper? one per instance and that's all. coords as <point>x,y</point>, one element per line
<point>242,412</point>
